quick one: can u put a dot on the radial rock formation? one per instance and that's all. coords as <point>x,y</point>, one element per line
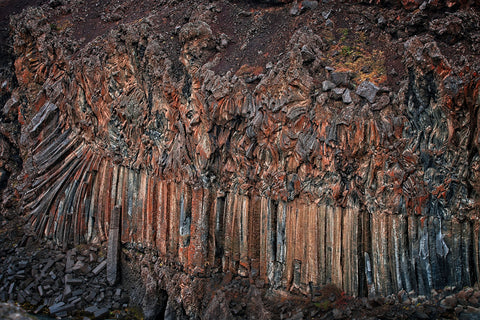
<point>302,143</point>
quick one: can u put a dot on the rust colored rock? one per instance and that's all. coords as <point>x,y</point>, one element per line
<point>231,156</point>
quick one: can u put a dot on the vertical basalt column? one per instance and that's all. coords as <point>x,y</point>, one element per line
<point>173,210</point>
<point>219,230</point>
<point>254,234</point>
<point>322,252</point>
<point>312,243</point>
<point>268,244</point>
<point>350,254</point>
<point>186,206</point>
<point>113,249</point>
<point>201,209</point>
<point>380,253</point>
<point>228,220</point>
<point>243,232</point>
<point>163,230</point>
<point>281,252</point>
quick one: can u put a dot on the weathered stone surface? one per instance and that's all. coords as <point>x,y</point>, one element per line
<point>337,93</point>
<point>246,169</point>
<point>113,250</point>
<point>346,97</point>
<point>99,268</point>
<point>340,78</point>
<point>97,312</point>
<point>367,90</point>
<point>327,85</point>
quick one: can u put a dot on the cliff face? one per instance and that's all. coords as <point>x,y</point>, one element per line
<point>299,144</point>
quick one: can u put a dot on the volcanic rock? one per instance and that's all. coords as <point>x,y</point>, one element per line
<point>367,90</point>
<point>218,165</point>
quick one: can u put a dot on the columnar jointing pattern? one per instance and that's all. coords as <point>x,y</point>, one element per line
<point>289,243</point>
<point>281,179</point>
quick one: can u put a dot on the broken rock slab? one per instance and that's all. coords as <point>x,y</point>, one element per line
<point>96,311</point>
<point>327,85</point>
<point>100,267</point>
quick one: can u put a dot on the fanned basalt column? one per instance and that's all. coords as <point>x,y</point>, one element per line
<point>263,170</point>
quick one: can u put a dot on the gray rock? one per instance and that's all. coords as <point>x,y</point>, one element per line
<point>67,292</point>
<point>91,296</point>
<point>96,311</point>
<point>74,300</point>
<point>381,20</point>
<point>78,266</point>
<point>309,5</point>
<point>326,14</point>
<point>100,267</point>
<point>70,262</point>
<point>337,93</point>
<point>327,85</point>
<point>295,10</point>
<point>470,313</point>
<point>367,90</point>
<point>340,78</point>
<point>74,281</point>
<point>113,251</point>
<point>307,54</point>
<point>297,316</point>
<point>346,97</point>
<point>57,307</point>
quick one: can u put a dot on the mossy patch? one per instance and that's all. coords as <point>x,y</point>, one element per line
<point>351,51</point>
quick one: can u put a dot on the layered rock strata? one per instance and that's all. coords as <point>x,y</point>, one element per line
<point>294,171</point>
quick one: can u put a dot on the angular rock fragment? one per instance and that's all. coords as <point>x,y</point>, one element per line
<point>337,93</point>
<point>367,90</point>
<point>340,78</point>
<point>327,85</point>
<point>57,307</point>
<point>100,267</point>
<point>346,98</point>
<point>97,311</point>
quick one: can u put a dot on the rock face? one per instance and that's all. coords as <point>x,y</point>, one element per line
<point>226,150</point>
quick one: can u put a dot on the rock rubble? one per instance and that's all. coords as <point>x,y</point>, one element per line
<point>49,280</point>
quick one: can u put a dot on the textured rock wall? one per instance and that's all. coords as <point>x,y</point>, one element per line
<point>291,172</point>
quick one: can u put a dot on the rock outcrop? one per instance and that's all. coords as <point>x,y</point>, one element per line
<point>271,145</point>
